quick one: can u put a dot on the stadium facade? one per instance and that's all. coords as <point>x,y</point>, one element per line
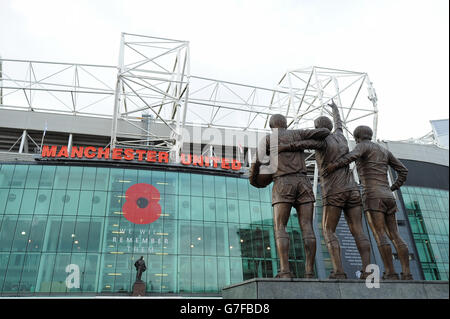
<point>83,196</point>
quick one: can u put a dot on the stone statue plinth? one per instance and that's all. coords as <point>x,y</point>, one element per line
<point>139,288</point>
<point>299,288</point>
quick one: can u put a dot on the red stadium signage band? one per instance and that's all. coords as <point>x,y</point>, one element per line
<point>128,154</point>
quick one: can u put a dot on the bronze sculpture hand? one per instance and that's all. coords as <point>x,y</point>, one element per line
<point>332,104</point>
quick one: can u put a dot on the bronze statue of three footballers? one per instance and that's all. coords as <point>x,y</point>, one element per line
<point>339,192</point>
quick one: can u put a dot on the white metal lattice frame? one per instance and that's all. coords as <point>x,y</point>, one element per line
<point>153,77</point>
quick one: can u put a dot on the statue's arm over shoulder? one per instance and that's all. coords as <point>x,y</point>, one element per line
<point>357,152</point>
<point>315,134</point>
<point>402,171</point>
<point>303,145</point>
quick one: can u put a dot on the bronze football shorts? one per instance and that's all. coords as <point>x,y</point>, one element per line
<point>384,205</point>
<point>293,188</point>
<point>347,199</point>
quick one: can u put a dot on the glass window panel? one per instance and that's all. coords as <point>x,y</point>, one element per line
<point>169,280</point>
<point>184,207</point>
<point>171,183</point>
<point>88,179</point>
<point>108,266</point>
<point>258,242</point>
<point>211,274</point>
<point>37,233</point>
<point>196,185</point>
<point>156,239</point>
<point>47,177</point>
<point>253,192</point>
<point>184,237</point>
<point>236,270</point>
<point>22,233</point>
<point>155,273</point>
<point>66,235</point>
<point>209,209</point>
<point>102,179</point>
<point>90,273</point>
<point>3,199</point>
<point>42,202</point>
<point>57,202</point>
<point>234,239</point>
<point>220,187</point>
<point>95,235</point>
<point>231,187</point>
<point>170,206</point>
<point>159,180</point>
<point>85,204</point>
<point>255,213</point>
<point>7,231</point>
<point>244,212</point>
<point>44,279</point>
<point>171,238</point>
<point>19,177</point>
<point>75,177</point>
<point>266,194</point>
<point>223,272</point>
<point>4,258</point>
<point>80,235</point>
<point>242,188</point>
<point>12,278</point>
<point>13,201</point>
<point>208,185</point>
<point>28,201</point>
<point>198,274</point>
<point>223,245</point>
<point>70,200</point>
<point>59,273</point>
<point>184,184</point>
<point>115,203</point>
<point>99,203</point>
<point>122,274</point>
<point>116,180</point>
<point>184,274</point>
<point>29,273</point>
<point>33,177</point>
<point>197,208</point>
<point>245,241</point>
<point>145,176</point>
<point>6,174</point>
<point>61,177</point>
<point>52,233</point>
<point>209,239</point>
<point>269,241</point>
<point>233,209</point>
<point>197,238</point>
<point>221,210</point>
<point>266,214</point>
<point>248,268</point>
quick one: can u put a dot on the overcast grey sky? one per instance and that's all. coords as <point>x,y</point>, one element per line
<point>402,45</point>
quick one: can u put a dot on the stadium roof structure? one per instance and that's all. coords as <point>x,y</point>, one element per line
<point>152,83</point>
<point>439,135</point>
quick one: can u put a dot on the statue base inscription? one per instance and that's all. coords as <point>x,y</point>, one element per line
<point>139,288</point>
<point>298,288</point>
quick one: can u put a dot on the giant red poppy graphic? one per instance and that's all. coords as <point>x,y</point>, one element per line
<point>142,204</point>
